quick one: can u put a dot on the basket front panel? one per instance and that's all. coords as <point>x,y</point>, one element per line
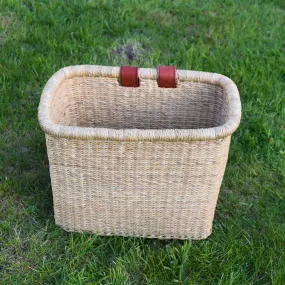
<point>152,189</point>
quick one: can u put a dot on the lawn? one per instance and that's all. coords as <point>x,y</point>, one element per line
<point>243,40</point>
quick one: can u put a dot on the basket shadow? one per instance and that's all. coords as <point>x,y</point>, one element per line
<point>26,173</point>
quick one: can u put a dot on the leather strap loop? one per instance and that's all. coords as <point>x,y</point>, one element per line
<point>167,76</point>
<point>129,76</point>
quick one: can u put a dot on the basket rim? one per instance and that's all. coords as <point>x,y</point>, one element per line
<point>76,132</point>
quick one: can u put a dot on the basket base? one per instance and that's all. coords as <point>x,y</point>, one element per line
<point>139,235</point>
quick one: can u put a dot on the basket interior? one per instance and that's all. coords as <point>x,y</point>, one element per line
<point>101,102</point>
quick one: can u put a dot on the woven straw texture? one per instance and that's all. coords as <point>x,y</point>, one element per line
<point>144,161</point>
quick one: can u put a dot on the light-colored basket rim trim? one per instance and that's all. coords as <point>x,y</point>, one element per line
<point>75,132</point>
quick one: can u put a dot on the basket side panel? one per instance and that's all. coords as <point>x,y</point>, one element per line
<point>150,189</point>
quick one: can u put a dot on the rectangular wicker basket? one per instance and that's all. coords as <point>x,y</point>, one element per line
<point>144,161</point>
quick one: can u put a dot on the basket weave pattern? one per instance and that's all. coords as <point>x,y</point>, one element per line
<point>144,161</point>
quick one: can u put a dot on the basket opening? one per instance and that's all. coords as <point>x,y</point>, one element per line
<point>101,103</point>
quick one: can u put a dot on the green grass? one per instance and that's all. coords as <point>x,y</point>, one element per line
<point>241,39</point>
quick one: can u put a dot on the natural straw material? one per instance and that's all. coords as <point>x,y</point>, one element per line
<point>144,161</point>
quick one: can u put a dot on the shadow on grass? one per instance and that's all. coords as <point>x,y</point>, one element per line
<point>25,172</point>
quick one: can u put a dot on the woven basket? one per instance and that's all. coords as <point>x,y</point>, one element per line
<point>144,161</point>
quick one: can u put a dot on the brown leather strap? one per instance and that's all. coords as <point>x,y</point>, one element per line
<point>167,76</point>
<point>129,76</point>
